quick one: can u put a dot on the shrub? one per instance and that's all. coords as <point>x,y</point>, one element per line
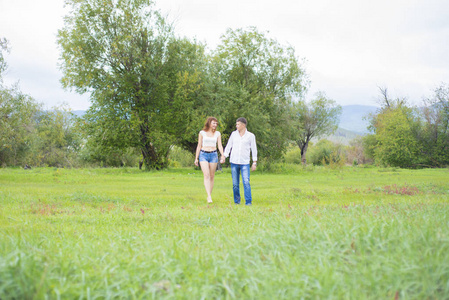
<point>293,155</point>
<point>179,157</point>
<point>326,153</point>
<point>355,152</point>
<point>92,155</point>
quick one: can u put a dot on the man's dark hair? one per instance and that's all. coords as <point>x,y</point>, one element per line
<point>242,120</point>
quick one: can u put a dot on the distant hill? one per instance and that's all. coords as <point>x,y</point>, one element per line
<point>352,117</point>
<point>353,123</point>
<point>341,136</point>
<point>79,113</point>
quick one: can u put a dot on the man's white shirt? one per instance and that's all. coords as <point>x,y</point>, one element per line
<point>240,148</point>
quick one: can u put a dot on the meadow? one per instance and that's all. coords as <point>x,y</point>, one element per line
<point>311,233</point>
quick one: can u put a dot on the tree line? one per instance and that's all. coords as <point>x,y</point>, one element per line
<point>151,91</point>
<point>409,136</point>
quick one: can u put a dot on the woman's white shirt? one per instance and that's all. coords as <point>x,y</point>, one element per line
<point>210,141</point>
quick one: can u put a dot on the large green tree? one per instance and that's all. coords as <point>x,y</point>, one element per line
<point>396,127</point>
<point>256,78</point>
<point>395,131</point>
<point>141,78</point>
<point>314,119</point>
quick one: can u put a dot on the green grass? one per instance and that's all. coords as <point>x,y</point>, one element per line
<point>352,233</point>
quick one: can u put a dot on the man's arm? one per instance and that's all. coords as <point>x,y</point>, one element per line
<point>254,148</point>
<point>228,146</point>
<point>254,152</point>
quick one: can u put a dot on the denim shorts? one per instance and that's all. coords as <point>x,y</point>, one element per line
<point>210,157</point>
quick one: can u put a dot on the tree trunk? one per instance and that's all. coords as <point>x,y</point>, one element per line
<point>303,147</point>
<point>151,159</point>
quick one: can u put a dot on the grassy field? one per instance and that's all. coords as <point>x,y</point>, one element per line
<point>318,233</point>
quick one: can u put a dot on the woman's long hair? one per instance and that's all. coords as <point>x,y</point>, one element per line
<point>208,122</point>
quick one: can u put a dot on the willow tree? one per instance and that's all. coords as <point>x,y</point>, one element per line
<point>256,78</point>
<point>314,119</point>
<point>140,77</point>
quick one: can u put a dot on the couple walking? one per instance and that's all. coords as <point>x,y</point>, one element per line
<point>240,144</point>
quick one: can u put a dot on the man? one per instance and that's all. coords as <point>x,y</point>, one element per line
<point>241,144</point>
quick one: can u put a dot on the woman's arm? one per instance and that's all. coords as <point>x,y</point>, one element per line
<point>198,148</point>
<point>220,148</point>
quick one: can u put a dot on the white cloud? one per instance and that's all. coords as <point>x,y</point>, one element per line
<point>31,28</point>
<point>351,47</point>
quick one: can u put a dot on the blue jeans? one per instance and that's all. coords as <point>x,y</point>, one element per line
<point>236,169</point>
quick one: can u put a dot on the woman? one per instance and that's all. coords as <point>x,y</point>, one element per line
<point>206,153</point>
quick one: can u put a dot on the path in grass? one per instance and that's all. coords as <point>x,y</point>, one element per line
<point>318,233</point>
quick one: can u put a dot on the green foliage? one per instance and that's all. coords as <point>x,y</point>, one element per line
<point>369,145</point>
<point>34,137</point>
<point>18,140</point>
<point>325,152</point>
<point>293,155</point>
<point>409,137</point>
<point>331,154</point>
<point>435,129</point>
<point>180,158</point>
<point>59,137</point>
<point>396,140</point>
<point>93,155</point>
<point>251,60</point>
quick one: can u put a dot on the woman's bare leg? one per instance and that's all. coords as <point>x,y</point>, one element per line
<point>206,173</point>
<point>212,169</point>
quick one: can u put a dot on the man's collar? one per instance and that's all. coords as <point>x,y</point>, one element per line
<point>246,130</point>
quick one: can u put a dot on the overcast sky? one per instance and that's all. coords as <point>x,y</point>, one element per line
<point>351,47</point>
